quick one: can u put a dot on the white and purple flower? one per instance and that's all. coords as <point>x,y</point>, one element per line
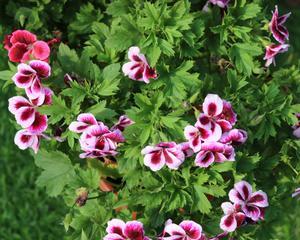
<point>138,68</point>
<point>252,203</point>
<point>164,153</point>
<point>220,3</point>
<point>233,218</point>
<point>272,51</point>
<point>25,139</point>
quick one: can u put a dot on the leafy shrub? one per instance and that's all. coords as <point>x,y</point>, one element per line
<point>195,53</point>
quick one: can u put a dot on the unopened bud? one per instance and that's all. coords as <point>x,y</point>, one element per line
<point>82,196</point>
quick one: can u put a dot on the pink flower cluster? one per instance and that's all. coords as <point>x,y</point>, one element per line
<point>29,77</point>
<point>245,205</point>
<point>138,68</point>
<point>96,139</point>
<point>212,138</point>
<point>280,33</point>
<point>23,46</point>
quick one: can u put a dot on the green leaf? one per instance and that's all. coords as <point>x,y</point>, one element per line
<point>57,171</point>
<point>201,202</point>
<point>251,10</point>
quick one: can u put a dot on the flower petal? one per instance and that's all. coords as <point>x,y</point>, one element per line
<point>244,189</point>
<point>40,50</point>
<point>251,212</point>
<point>155,161</point>
<point>173,157</point>
<point>134,230</point>
<point>22,36</point>
<point>43,69</point>
<point>227,208</point>
<point>174,230</point>
<point>23,139</point>
<point>192,229</point>
<point>204,159</point>
<point>25,116</point>
<point>87,118</point>
<point>240,218</point>
<point>133,54</point>
<point>113,236</point>
<point>115,226</point>
<point>39,125</point>
<point>17,51</point>
<point>78,127</point>
<point>228,223</point>
<point>212,105</point>
<point>259,199</point>
<point>15,103</point>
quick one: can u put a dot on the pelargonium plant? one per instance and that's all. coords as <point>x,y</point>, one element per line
<point>161,120</point>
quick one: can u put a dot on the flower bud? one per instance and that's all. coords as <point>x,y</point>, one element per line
<point>82,196</point>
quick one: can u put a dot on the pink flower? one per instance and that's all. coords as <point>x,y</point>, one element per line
<point>98,141</point>
<point>214,152</point>
<point>186,230</point>
<point>296,127</point>
<point>23,46</point>
<point>233,217</point>
<point>220,3</point>
<point>196,134</point>
<point>29,77</point>
<point>138,68</point>
<point>123,122</point>
<point>234,136</point>
<point>26,114</point>
<point>296,193</point>
<point>187,150</point>
<point>164,153</point>
<point>252,204</point>
<point>280,32</point>
<point>26,139</point>
<point>119,230</point>
<point>84,121</point>
<point>272,51</point>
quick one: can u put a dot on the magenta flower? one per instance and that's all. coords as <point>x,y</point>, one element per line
<point>119,230</point>
<point>252,204</point>
<point>29,77</point>
<point>234,136</point>
<point>98,141</point>
<point>280,32</point>
<point>26,114</point>
<point>23,46</point>
<point>233,217</point>
<point>196,134</point>
<point>214,152</point>
<point>138,68</point>
<point>26,139</point>
<point>272,51</point>
<point>164,153</point>
<point>296,127</point>
<point>84,121</point>
<point>186,230</point>
<point>220,3</point>
<point>296,193</point>
<point>123,122</point>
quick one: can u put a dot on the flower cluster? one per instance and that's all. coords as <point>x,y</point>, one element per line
<point>119,230</point>
<point>280,33</point>
<point>296,127</point>
<point>138,68</point>
<point>23,46</point>
<point>246,206</point>
<point>96,139</point>
<point>212,137</point>
<point>29,77</point>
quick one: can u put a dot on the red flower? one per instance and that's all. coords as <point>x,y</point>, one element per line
<point>23,46</point>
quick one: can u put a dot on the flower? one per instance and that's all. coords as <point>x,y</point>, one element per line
<point>296,127</point>
<point>84,121</point>
<point>272,51</point>
<point>185,147</point>
<point>26,139</point>
<point>98,141</point>
<point>26,114</point>
<point>138,68</point>
<point>220,3</point>
<point>252,204</point>
<point>164,153</point>
<point>186,230</point>
<point>22,46</point>
<point>123,122</point>
<point>196,134</point>
<point>296,193</point>
<point>233,217</point>
<point>280,32</point>
<point>214,152</point>
<point>29,77</point>
<point>234,136</point>
<point>119,230</point>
